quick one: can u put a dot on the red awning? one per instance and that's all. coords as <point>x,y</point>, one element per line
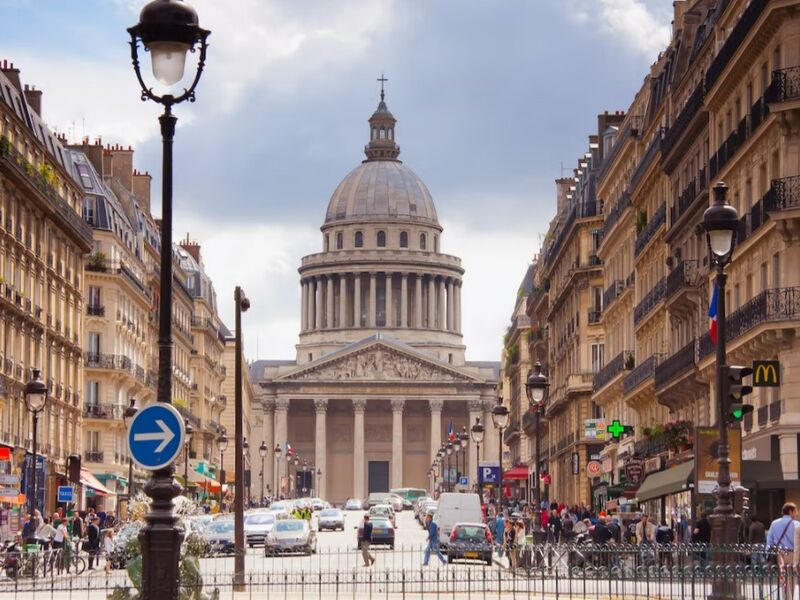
<point>516,473</point>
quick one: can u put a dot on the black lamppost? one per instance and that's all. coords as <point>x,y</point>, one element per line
<point>241,304</point>
<point>319,475</point>
<point>222,440</point>
<point>435,472</point>
<point>262,451</point>
<point>305,470</point>
<point>35,401</point>
<point>720,222</point>
<point>477,433</point>
<point>168,30</point>
<point>277,452</point>
<point>186,444</point>
<point>296,463</point>
<point>536,389</point>
<point>246,472</point>
<point>289,485</point>
<point>463,439</point>
<point>449,449</point>
<point>500,419</point>
<point>127,417</point>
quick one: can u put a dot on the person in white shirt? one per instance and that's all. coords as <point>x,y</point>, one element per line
<point>44,533</point>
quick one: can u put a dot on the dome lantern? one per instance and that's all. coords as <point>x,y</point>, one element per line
<point>381,131</point>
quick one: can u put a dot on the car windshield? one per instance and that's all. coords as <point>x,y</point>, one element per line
<point>330,512</point>
<point>380,496</point>
<point>379,510</point>
<point>289,526</point>
<point>386,523</point>
<point>225,526</point>
<point>470,533</point>
<point>260,519</point>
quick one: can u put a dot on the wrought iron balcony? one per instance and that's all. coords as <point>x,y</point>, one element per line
<point>738,34</point>
<point>770,306</point>
<point>785,196</point>
<point>194,421</point>
<point>613,368</point>
<point>685,274</point>
<point>649,302</point>
<point>576,211</point>
<point>785,84</point>
<point>103,411</point>
<point>594,316</point>
<point>612,292</point>
<point>676,365</point>
<point>641,373</point>
<point>653,225</point>
<point>693,105</point>
<point>647,158</point>
<point>746,127</point>
<point>614,215</point>
<point>93,456</point>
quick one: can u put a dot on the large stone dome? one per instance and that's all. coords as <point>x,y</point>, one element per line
<point>381,190</point>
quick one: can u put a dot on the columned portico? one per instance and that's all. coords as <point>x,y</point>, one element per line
<point>321,444</point>
<point>436,426</point>
<point>269,441</point>
<point>397,442</point>
<point>281,425</point>
<point>359,467</point>
<point>404,301</point>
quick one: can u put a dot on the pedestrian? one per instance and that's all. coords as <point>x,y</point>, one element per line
<point>366,541</point>
<point>645,531</point>
<point>554,526</point>
<point>45,533</point>
<point>433,541</point>
<point>510,540</point>
<point>499,531</point>
<point>108,547</point>
<point>92,544</point>
<point>757,535</point>
<point>59,539</point>
<point>701,534</point>
<point>781,538</point>
<point>77,526</point>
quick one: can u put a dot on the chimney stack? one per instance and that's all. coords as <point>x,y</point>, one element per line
<point>12,73</point>
<point>34,99</point>
<point>191,247</point>
<point>141,189</point>
<point>122,165</point>
<point>94,152</point>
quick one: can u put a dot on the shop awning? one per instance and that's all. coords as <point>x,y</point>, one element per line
<point>92,482</point>
<point>516,473</point>
<point>666,482</point>
<point>203,482</point>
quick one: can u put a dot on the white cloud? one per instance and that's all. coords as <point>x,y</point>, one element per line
<point>633,22</point>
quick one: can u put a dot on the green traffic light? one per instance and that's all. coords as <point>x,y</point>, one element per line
<point>738,414</point>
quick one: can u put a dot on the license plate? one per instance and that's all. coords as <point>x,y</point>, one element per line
<point>381,531</point>
<point>470,555</point>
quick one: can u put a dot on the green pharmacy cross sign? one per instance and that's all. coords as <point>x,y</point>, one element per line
<point>616,429</point>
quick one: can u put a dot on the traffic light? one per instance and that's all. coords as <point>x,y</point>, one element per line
<point>735,391</point>
<point>741,500</point>
<point>74,468</point>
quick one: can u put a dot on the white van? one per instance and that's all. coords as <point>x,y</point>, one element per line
<point>456,508</point>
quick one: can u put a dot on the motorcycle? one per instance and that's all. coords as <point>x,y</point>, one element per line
<point>11,559</point>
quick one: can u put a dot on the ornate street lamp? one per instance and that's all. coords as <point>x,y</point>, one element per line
<point>449,449</point>
<point>536,389</point>
<point>262,452</point>
<point>168,30</point>
<point>319,475</point>
<point>241,304</point>
<point>222,440</point>
<point>720,222</point>
<point>127,417</point>
<point>500,418</point>
<point>463,439</point>
<point>35,401</point>
<point>277,452</point>
<point>477,433</point>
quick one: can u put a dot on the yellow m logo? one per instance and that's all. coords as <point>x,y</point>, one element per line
<point>765,374</point>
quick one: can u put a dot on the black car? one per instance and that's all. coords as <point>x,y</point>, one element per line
<point>470,541</point>
<point>382,532</point>
<point>219,535</point>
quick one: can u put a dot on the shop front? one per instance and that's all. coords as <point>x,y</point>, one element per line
<point>97,496</point>
<point>668,494</point>
<point>515,484</point>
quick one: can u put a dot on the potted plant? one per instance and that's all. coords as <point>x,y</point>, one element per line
<point>678,435</point>
<point>96,261</point>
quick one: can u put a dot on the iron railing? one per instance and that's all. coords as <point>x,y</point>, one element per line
<point>738,34</point>
<point>93,456</point>
<point>693,105</point>
<point>649,302</point>
<point>677,364</point>
<point>786,194</point>
<point>786,84</point>
<point>612,292</point>
<point>614,215</point>
<point>609,371</point>
<point>641,373</point>
<point>647,158</point>
<point>684,274</point>
<point>103,411</point>
<point>653,225</point>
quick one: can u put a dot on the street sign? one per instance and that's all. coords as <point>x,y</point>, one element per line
<point>766,373</point>
<point>156,436</point>
<point>634,470</point>
<point>6,492</point>
<point>489,474</point>
<point>65,494</point>
<point>463,481</point>
<point>9,479</point>
<point>594,468</point>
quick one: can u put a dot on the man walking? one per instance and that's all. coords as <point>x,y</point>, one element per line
<point>781,539</point>
<point>366,542</point>
<point>92,544</point>
<point>433,541</point>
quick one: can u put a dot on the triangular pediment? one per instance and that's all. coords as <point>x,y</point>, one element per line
<point>378,360</point>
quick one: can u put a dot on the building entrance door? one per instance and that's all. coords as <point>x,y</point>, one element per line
<point>378,476</point>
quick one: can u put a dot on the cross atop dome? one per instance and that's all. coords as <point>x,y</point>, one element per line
<point>381,131</point>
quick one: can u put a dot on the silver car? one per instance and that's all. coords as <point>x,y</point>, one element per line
<point>257,526</point>
<point>291,535</point>
<point>330,518</point>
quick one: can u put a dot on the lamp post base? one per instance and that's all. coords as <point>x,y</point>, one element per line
<point>724,537</point>
<point>161,539</point>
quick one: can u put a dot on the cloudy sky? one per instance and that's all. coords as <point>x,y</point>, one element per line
<point>492,100</point>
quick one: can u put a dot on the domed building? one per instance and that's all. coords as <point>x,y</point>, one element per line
<point>380,372</point>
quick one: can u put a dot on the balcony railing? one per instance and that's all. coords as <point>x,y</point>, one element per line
<point>738,34</point>
<point>194,421</point>
<point>746,127</point>
<point>677,364</point>
<point>685,274</point>
<point>649,302</point>
<point>614,214</point>
<point>786,195</point>
<point>594,316</point>
<point>95,310</point>
<point>647,158</point>
<point>103,411</point>
<point>93,456</point>
<point>619,141</point>
<point>576,211</point>
<point>653,225</point>
<point>688,112</point>
<point>611,370</point>
<point>770,306</point>
<point>611,293</point>
<point>786,84</point>
<point>641,373</point>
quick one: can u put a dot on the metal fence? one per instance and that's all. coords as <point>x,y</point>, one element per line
<point>542,571</point>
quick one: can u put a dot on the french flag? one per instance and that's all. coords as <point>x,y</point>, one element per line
<point>712,315</point>
<point>289,449</point>
<point>451,435</point>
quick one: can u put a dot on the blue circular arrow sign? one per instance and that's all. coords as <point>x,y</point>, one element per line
<point>156,436</point>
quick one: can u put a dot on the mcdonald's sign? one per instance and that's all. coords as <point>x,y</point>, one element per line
<point>766,373</point>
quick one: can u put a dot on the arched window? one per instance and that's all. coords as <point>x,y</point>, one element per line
<point>339,241</point>
<point>404,239</point>
<point>359,240</point>
<point>381,239</point>
<point>423,241</point>
<point>383,133</point>
<point>327,243</point>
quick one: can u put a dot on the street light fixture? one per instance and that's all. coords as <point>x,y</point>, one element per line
<point>319,475</point>
<point>241,304</point>
<point>167,29</point>
<point>127,417</point>
<point>277,452</point>
<point>222,440</point>
<point>477,432</point>
<point>536,388</point>
<point>463,438</point>
<point>500,418</point>
<point>449,449</point>
<point>35,401</point>
<point>262,451</point>
<point>186,444</point>
<point>720,222</point>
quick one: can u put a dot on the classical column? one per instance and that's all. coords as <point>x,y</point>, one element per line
<point>450,304</point>
<point>458,306</point>
<point>303,305</point>
<point>489,447</point>
<point>404,301</point>
<point>442,304</point>
<point>359,407</point>
<point>431,302</point>
<point>321,446</point>
<point>281,434</point>
<point>373,300</point>
<point>397,442</point>
<point>329,303</point>
<point>342,300</point>
<point>357,300</point>
<point>475,407</point>
<point>418,301</point>
<point>310,296</point>
<point>388,308</point>
<point>319,304</point>
<point>436,426</point>
<point>269,441</point>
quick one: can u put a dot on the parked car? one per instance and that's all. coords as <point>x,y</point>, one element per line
<point>318,504</point>
<point>418,504</point>
<point>383,510</point>
<point>396,502</point>
<point>284,505</point>
<point>291,535</point>
<point>429,508</point>
<point>382,532</point>
<point>330,518</point>
<point>377,498</point>
<point>409,496</point>
<point>219,535</point>
<point>456,508</point>
<point>257,526</point>
<point>353,504</point>
<point>470,541</point>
